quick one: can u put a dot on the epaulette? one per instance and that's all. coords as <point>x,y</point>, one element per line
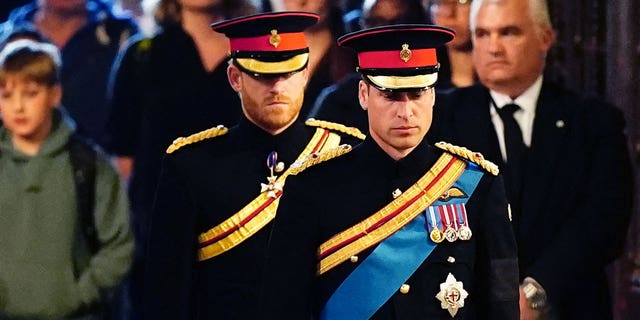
<point>197,137</point>
<point>352,131</point>
<point>475,157</point>
<point>318,157</point>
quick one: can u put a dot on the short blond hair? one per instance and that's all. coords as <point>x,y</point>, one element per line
<point>31,60</point>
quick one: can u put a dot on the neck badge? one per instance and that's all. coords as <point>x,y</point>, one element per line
<point>273,186</point>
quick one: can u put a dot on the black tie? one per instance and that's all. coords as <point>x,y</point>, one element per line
<point>516,150</point>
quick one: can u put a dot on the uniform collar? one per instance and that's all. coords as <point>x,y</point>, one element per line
<point>288,143</point>
<point>423,156</point>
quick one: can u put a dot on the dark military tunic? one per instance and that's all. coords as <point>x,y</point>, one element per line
<point>341,193</point>
<point>201,185</point>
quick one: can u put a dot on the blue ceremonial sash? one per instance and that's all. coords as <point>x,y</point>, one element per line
<point>391,263</point>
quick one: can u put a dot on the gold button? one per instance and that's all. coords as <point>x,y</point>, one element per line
<point>404,289</point>
<point>451,259</point>
<point>353,259</point>
<point>279,167</point>
<point>396,193</point>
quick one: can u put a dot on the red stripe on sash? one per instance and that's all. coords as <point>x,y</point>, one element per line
<point>388,217</point>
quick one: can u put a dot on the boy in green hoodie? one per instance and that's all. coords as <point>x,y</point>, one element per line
<point>50,268</point>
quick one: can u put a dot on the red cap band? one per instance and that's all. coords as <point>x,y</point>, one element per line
<point>393,59</point>
<point>272,42</point>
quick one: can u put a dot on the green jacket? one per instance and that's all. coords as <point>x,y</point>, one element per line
<point>44,273</point>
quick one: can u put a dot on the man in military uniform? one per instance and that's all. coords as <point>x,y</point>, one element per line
<point>219,188</point>
<point>397,228</point>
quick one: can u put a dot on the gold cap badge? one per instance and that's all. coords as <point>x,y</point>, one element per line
<point>274,39</point>
<point>405,53</point>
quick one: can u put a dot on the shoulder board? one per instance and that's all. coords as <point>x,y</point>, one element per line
<point>475,157</point>
<point>352,131</point>
<point>197,137</point>
<point>318,157</point>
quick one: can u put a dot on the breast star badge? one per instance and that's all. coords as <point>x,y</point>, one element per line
<point>273,187</point>
<point>452,295</point>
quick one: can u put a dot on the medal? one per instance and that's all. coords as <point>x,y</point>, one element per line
<point>450,232</point>
<point>464,232</point>
<point>452,295</point>
<point>435,235</point>
<point>273,186</point>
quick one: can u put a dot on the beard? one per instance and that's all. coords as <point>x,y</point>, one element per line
<point>271,118</point>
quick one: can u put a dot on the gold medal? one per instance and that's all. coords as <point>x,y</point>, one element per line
<point>464,233</point>
<point>436,235</point>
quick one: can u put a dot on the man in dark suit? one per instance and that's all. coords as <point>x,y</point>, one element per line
<point>565,160</point>
<point>220,188</point>
<point>397,228</point>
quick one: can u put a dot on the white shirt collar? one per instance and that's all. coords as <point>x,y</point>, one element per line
<point>527,100</point>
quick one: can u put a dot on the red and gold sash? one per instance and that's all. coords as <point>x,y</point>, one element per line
<point>259,212</point>
<point>395,215</point>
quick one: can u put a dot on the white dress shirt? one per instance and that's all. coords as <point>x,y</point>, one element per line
<point>527,102</point>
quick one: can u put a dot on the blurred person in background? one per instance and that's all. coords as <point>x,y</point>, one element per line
<point>564,157</point>
<point>89,35</point>
<point>65,241</point>
<point>457,67</point>
<point>166,86</point>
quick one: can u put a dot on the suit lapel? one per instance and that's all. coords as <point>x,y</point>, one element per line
<point>550,126</point>
<point>473,124</point>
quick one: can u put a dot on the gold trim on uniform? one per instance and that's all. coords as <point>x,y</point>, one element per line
<point>475,157</point>
<point>197,137</point>
<point>405,82</point>
<point>373,237</point>
<point>318,157</point>
<point>277,67</point>
<point>352,131</point>
<point>265,215</point>
<point>453,193</point>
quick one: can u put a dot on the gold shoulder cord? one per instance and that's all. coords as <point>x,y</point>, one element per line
<point>316,158</point>
<point>197,137</point>
<point>475,157</point>
<point>352,131</point>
